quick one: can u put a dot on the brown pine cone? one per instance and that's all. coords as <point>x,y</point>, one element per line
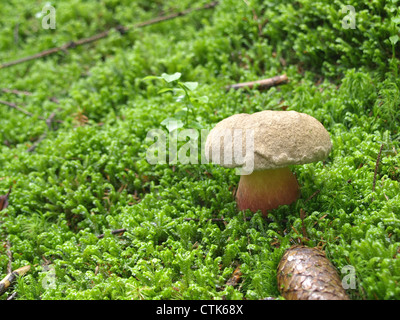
<point>306,274</point>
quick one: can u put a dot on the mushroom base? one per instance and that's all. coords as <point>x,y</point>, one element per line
<point>266,190</point>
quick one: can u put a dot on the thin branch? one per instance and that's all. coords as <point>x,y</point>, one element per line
<point>213,219</point>
<point>104,34</point>
<point>49,121</point>
<point>36,143</point>
<point>313,195</point>
<point>10,278</point>
<point>12,296</point>
<point>9,255</point>
<point>26,93</point>
<point>100,236</point>
<point>17,92</point>
<point>261,84</point>
<point>14,106</point>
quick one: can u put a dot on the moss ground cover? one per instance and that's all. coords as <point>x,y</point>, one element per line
<point>90,176</point>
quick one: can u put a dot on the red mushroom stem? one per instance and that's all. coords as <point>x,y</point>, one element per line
<point>267,189</point>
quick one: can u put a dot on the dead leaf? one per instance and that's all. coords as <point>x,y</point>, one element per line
<point>4,200</point>
<point>236,277</point>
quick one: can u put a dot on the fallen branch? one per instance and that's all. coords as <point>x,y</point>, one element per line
<point>101,236</point>
<point>49,121</point>
<point>26,93</point>
<point>213,219</point>
<point>313,195</point>
<point>9,255</point>
<point>17,92</point>
<point>104,34</point>
<point>36,143</point>
<point>16,107</point>
<point>10,278</point>
<point>12,296</point>
<point>260,84</point>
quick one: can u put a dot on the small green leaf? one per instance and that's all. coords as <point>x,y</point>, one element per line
<point>180,98</point>
<point>190,85</point>
<point>195,125</point>
<point>172,124</point>
<point>171,77</point>
<point>394,39</point>
<point>182,113</point>
<point>396,20</point>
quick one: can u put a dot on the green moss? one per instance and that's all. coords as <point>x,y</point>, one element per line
<point>88,178</point>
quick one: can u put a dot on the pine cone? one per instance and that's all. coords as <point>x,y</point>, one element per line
<point>306,274</point>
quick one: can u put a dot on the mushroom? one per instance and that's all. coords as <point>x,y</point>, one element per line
<point>262,146</point>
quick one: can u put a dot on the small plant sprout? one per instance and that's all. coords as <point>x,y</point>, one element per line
<point>188,102</point>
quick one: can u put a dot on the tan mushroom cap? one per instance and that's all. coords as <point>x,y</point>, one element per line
<point>281,138</point>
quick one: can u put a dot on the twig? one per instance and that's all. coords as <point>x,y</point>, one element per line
<point>10,278</point>
<point>313,195</point>
<point>49,121</point>
<point>17,92</point>
<point>12,296</point>
<point>376,169</point>
<point>27,113</point>
<point>54,99</point>
<point>100,236</point>
<point>303,227</point>
<point>213,219</point>
<point>26,93</point>
<point>51,118</point>
<point>261,84</point>
<point>36,143</point>
<point>104,34</point>
<point>9,255</point>
<point>14,106</point>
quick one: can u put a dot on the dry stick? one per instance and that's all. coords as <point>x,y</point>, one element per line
<point>26,93</point>
<point>261,84</point>
<point>14,106</point>
<point>17,92</point>
<point>213,219</point>
<point>12,296</point>
<point>104,34</point>
<point>49,121</point>
<point>10,278</point>
<point>100,236</point>
<point>9,255</point>
<point>313,195</point>
<point>376,169</point>
<point>36,143</point>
